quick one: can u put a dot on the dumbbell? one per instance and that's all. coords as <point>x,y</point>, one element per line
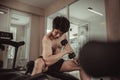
<point>71,55</point>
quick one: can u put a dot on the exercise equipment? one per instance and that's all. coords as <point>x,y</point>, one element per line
<point>101,59</point>
<point>10,73</point>
<point>62,75</point>
<point>40,76</point>
<point>2,47</point>
<point>59,75</point>
<point>1,64</point>
<point>29,67</point>
<point>70,55</point>
<point>6,35</point>
<point>6,39</point>
<point>14,44</point>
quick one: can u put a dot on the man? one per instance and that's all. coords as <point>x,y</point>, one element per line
<point>52,53</point>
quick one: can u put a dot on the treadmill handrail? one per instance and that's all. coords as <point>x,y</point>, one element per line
<point>12,43</point>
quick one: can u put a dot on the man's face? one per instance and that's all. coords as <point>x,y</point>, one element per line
<point>57,33</point>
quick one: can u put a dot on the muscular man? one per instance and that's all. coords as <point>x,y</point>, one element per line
<point>52,53</point>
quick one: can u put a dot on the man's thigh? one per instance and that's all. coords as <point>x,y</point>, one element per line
<point>69,65</point>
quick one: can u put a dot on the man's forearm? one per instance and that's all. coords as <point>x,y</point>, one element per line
<point>49,60</point>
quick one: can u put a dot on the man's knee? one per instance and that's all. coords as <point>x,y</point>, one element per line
<point>38,66</point>
<point>39,61</point>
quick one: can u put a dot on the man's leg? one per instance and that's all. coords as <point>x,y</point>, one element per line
<point>84,76</point>
<point>70,65</point>
<point>38,66</point>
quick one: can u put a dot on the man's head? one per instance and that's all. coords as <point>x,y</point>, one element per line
<point>60,26</point>
<point>61,23</point>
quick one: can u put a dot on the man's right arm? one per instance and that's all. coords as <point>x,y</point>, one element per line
<point>48,53</point>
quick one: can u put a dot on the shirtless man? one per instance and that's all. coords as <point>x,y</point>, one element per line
<point>52,53</point>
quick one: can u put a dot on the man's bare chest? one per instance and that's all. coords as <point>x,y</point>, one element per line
<point>56,44</point>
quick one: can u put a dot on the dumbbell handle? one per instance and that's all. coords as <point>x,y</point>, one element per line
<point>71,55</point>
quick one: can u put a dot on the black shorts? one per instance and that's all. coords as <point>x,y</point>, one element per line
<point>56,67</point>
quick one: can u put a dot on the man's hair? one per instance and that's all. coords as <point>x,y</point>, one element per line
<point>61,23</point>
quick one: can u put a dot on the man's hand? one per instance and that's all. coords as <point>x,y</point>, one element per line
<point>76,61</point>
<point>67,49</point>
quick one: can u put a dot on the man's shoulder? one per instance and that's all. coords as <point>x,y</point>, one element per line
<point>46,38</point>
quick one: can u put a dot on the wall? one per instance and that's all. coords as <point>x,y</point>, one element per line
<point>57,5</point>
<point>22,7</point>
<point>97,28</point>
<point>37,31</point>
<point>113,19</point>
<point>42,32</point>
<point>4,21</point>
